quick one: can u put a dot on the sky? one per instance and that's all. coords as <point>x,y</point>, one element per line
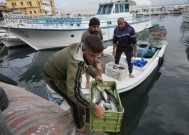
<point>92,5</point>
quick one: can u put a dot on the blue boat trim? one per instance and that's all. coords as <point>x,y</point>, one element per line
<point>69,29</point>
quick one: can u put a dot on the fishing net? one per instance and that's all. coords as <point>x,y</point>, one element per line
<point>152,33</point>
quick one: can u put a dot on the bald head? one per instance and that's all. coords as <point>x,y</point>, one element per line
<point>120,19</point>
<point>121,23</point>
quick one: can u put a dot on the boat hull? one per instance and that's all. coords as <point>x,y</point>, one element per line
<point>12,42</point>
<point>42,38</point>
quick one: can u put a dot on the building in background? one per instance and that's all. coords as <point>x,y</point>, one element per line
<point>3,8</point>
<point>32,7</point>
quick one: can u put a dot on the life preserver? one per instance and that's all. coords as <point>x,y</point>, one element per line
<point>3,100</point>
<point>161,61</point>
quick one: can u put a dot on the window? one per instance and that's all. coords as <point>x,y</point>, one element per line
<point>121,8</point>
<point>126,7</point>
<point>109,9</point>
<point>12,4</point>
<point>30,3</point>
<point>116,8</point>
<point>21,3</point>
<point>100,9</point>
<point>104,9</point>
<point>34,12</point>
<point>30,12</point>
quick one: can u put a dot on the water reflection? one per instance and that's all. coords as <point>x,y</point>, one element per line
<point>135,102</point>
<point>34,72</point>
<point>184,29</point>
<point>25,66</point>
<point>17,60</point>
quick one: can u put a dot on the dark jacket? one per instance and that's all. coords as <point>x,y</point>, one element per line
<point>125,37</point>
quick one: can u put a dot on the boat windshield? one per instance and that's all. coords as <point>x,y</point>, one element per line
<point>121,8</point>
<point>113,8</point>
<point>105,9</point>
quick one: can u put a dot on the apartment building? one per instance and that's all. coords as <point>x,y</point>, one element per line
<point>32,7</point>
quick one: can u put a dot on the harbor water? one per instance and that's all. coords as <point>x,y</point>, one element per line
<point>159,106</point>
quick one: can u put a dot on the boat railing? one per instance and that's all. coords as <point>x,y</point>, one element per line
<point>63,22</point>
<point>47,20</point>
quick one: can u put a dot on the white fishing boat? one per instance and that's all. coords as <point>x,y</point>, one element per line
<point>54,32</point>
<point>2,32</point>
<point>11,41</point>
<point>151,47</point>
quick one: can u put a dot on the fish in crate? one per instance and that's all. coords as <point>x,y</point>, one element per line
<point>107,96</point>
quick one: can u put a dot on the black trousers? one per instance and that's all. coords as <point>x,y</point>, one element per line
<point>77,111</point>
<point>128,53</point>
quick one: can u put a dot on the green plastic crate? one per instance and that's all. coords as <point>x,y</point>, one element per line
<point>112,120</point>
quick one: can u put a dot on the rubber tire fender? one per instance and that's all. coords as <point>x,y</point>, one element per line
<point>161,61</point>
<point>3,100</point>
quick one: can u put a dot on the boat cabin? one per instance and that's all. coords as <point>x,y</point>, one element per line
<point>110,8</point>
<point>116,7</point>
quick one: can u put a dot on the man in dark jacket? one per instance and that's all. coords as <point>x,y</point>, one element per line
<point>124,40</point>
<point>94,29</point>
<point>63,73</point>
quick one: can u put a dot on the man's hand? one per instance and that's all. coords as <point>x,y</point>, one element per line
<point>99,69</point>
<point>114,50</point>
<point>99,78</point>
<point>98,65</point>
<point>98,111</point>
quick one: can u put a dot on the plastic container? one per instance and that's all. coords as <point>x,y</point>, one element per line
<point>112,120</point>
<point>139,63</point>
<point>142,49</point>
<point>118,72</point>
